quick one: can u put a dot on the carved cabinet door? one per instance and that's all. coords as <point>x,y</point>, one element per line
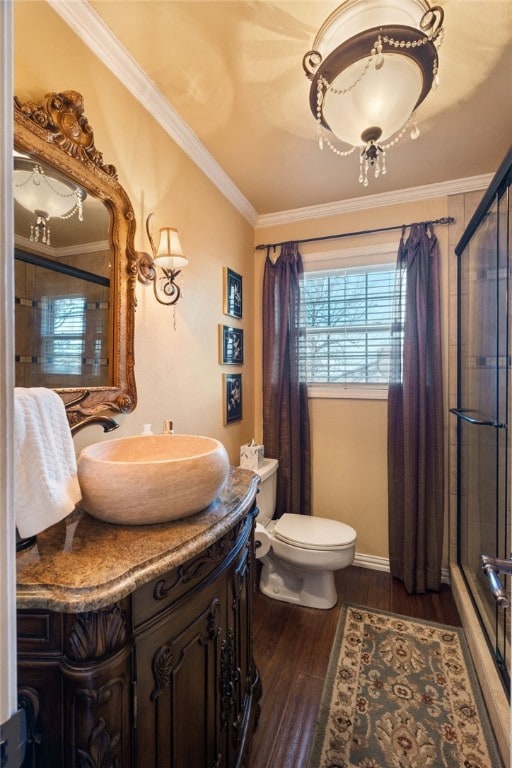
<point>75,684</point>
<point>98,714</point>
<point>177,677</point>
<point>237,669</point>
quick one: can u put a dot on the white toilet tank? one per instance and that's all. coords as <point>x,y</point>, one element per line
<point>266,498</point>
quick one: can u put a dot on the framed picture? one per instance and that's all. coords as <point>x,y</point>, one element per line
<point>231,345</point>
<point>232,397</point>
<point>233,300</point>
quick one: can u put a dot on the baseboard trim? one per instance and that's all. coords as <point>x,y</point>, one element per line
<point>372,562</point>
<point>382,564</point>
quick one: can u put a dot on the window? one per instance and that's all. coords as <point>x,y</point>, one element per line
<point>63,333</point>
<point>347,314</point>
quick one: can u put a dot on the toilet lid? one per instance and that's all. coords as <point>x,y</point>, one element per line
<point>314,532</point>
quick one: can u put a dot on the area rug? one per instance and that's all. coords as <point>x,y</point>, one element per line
<point>401,693</point>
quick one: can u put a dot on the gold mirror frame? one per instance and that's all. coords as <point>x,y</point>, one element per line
<point>57,132</point>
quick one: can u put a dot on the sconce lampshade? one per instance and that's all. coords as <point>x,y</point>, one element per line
<point>169,254</point>
<point>164,266</point>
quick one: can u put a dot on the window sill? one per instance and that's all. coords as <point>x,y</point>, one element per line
<point>350,392</point>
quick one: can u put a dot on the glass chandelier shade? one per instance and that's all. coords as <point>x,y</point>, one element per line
<point>383,99</point>
<point>372,64</point>
<point>44,195</point>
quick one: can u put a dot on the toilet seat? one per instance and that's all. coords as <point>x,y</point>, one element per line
<point>316,533</point>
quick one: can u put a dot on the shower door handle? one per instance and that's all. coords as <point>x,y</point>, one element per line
<point>464,413</point>
<point>492,566</point>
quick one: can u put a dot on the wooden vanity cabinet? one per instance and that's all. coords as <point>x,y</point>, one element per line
<point>75,684</point>
<point>164,678</point>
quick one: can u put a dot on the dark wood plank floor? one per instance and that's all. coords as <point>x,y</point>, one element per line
<point>292,646</point>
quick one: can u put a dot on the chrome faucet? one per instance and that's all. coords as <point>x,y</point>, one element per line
<point>107,423</point>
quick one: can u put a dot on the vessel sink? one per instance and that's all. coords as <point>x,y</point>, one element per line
<point>151,478</point>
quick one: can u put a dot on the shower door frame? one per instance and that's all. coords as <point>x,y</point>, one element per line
<point>497,191</point>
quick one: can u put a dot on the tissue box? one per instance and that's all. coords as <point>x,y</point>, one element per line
<point>251,456</point>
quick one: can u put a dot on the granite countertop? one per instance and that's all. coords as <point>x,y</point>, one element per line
<point>83,564</point>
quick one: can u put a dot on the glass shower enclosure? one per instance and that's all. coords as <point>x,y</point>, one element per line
<point>483,407</point>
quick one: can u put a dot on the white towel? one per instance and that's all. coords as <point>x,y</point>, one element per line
<point>46,484</point>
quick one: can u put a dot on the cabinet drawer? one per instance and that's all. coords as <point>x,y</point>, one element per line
<point>39,631</point>
<point>160,593</point>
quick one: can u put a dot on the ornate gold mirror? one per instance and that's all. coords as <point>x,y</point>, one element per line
<point>75,262</point>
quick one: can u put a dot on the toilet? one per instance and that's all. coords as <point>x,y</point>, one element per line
<point>299,553</point>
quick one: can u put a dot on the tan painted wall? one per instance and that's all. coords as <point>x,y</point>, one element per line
<point>177,372</point>
<point>349,473</point>
<point>349,437</point>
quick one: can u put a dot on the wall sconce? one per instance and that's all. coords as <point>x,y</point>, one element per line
<point>164,266</point>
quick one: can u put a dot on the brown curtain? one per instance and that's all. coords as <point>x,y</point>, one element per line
<point>285,398</point>
<point>415,417</point>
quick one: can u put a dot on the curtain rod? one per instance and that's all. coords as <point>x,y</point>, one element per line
<point>443,220</point>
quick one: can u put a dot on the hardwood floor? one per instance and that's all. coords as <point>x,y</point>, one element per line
<point>292,646</point>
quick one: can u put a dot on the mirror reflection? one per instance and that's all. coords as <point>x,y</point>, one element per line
<point>75,262</point>
<point>62,280</point>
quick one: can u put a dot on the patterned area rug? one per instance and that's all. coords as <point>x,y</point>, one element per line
<point>401,693</point>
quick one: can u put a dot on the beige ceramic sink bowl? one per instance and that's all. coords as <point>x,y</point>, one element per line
<point>151,479</point>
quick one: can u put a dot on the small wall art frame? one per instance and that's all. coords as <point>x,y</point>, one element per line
<point>231,345</point>
<point>233,293</point>
<point>232,385</point>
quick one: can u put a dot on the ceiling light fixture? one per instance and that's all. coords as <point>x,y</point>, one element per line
<point>372,64</point>
<point>164,266</point>
<point>46,196</point>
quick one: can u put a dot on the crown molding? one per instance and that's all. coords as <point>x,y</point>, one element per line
<point>25,244</point>
<point>411,194</point>
<point>85,22</point>
<point>91,29</point>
